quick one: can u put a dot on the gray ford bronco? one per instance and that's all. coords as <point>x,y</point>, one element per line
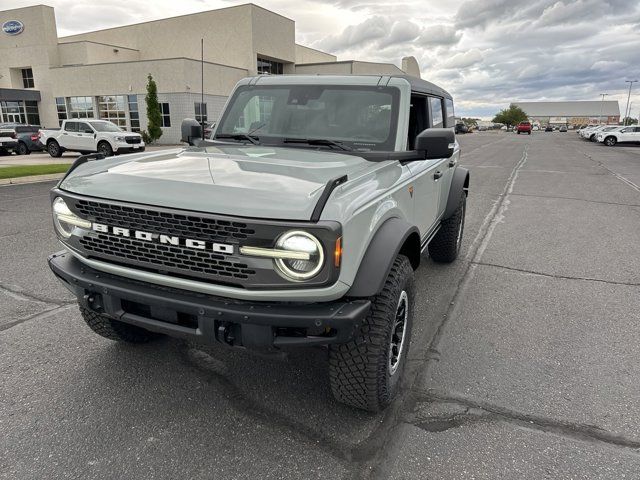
<point>300,222</point>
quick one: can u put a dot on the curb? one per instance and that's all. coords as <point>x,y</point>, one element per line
<point>31,179</point>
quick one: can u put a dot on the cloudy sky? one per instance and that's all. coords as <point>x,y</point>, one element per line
<point>485,52</point>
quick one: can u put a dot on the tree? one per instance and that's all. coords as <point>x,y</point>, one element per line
<point>630,121</point>
<point>470,122</point>
<point>154,116</point>
<point>510,116</point>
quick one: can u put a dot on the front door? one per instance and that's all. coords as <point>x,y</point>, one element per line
<point>85,139</point>
<point>427,176</point>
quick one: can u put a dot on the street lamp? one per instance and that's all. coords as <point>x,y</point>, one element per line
<point>630,82</point>
<point>601,104</point>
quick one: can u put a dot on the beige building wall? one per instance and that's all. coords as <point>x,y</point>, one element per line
<point>348,68</point>
<point>311,55</point>
<point>83,53</point>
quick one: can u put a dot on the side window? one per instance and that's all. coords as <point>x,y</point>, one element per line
<point>417,119</point>
<point>71,126</point>
<point>437,120</point>
<point>451,118</point>
<point>84,127</point>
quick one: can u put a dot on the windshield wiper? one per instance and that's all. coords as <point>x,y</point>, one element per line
<point>318,141</point>
<point>239,136</point>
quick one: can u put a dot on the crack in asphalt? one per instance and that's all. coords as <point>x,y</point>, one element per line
<point>18,293</point>
<point>622,178</point>
<point>560,277</point>
<point>577,199</point>
<point>369,456</point>
<point>477,410</point>
<point>37,316</point>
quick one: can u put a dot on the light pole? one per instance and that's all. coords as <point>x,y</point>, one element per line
<point>601,104</point>
<point>630,82</point>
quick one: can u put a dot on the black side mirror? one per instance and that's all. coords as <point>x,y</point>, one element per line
<point>191,131</point>
<point>436,143</point>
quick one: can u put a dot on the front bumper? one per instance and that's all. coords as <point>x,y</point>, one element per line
<point>8,144</point>
<point>208,319</point>
<point>129,148</point>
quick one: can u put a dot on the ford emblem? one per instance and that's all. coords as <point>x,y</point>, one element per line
<point>13,27</point>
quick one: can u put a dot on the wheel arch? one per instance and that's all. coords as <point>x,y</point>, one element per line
<point>395,236</point>
<point>459,184</point>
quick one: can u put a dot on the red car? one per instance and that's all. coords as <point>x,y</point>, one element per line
<point>524,127</point>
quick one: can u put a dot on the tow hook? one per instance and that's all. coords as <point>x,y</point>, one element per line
<point>225,333</point>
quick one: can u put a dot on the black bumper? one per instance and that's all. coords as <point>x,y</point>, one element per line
<point>209,319</point>
<point>10,145</point>
<point>130,150</point>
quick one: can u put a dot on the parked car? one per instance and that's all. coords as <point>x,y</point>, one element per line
<point>548,128</point>
<point>461,128</point>
<point>535,128</point>
<point>8,140</point>
<point>524,127</point>
<point>630,134</point>
<point>563,128</point>
<point>250,243</point>
<point>86,136</point>
<point>26,136</point>
<point>208,129</point>
<point>590,134</point>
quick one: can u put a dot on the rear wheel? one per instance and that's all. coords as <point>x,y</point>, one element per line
<point>445,246</point>
<point>54,149</point>
<point>22,149</point>
<point>115,330</point>
<point>105,149</point>
<point>366,372</point>
<point>610,141</point>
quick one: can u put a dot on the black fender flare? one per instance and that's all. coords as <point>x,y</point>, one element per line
<point>386,244</point>
<point>459,184</point>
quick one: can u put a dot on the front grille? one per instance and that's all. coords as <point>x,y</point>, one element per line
<point>166,257</point>
<point>132,139</point>
<point>189,226</point>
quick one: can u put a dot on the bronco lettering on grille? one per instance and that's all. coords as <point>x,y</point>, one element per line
<point>164,239</point>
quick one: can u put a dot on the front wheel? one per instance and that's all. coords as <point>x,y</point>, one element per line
<point>610,141</point>
<point>105,149</point>
<point>366,372</point>
<point>445,246</point>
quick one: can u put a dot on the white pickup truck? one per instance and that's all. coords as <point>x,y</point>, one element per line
<point>90,136</point>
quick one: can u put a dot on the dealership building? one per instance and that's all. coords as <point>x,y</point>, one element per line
<point>572,113</point>
<point>45,79</point>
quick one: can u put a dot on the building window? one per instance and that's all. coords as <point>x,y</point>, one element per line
<point>12,112</point>
<point>134,115</point>
<point>114,109</point>
<point>33,115</point>
<point>166,116</point>
<point>269,67</point>
<point>61,107</point>
<point>201,112</point>
<point>80,107</point>
<point>27,78</point>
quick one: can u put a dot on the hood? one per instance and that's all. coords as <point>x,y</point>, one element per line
<point>246,181</point>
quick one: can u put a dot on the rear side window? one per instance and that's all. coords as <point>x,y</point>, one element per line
<point>71,126</point>
<point>27,129</point>
<point>451,118</point>
<point>437,116</point>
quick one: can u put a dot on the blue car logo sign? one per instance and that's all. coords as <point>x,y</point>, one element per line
<point>13,27</point>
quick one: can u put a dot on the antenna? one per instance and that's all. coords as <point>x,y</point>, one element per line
<point>202,85</point>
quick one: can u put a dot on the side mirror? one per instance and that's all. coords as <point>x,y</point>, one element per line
<point>88,130</point>
<point>191,131</point>
<point>436,143</point>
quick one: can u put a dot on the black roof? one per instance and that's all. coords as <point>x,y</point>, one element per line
<point>422,86</point>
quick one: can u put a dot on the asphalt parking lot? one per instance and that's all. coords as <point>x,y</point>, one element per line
<point>524,361</point>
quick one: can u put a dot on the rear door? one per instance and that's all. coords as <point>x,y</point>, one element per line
<point>68,137</point>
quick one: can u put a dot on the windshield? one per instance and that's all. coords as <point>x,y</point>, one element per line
<point>105,127</point>
<point>358,117</point>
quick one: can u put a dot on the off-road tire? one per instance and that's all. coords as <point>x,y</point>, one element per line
<point>610,141</point>
<point>360,371</point>
<point>22,149</point>
<point>445,246</point>
<point>53,148</point>
<point>105,149</point>
<point>115,330</point>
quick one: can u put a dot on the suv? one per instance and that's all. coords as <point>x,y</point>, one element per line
<point>90,135</point>
<point>299,224</point>
<point>524,127</point>
<point>615,135</point>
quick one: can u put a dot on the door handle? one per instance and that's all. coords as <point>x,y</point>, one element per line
<point>437,175</point>
<point>452,163</point>
<point>65,133</point>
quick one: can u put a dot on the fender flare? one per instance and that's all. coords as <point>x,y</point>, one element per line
<point>459,183</point>
<point>382,251</point>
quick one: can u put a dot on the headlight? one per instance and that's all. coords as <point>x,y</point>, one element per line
<point>300,269</point>
<point>65,220</point>
<point>120,139</point>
